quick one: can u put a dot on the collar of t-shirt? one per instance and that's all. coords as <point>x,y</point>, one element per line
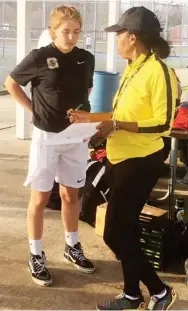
<point>61,53</point>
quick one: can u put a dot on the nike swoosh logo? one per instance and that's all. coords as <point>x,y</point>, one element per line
<point>73,260</point>
<point>79,63</point>
<point>78,181</point>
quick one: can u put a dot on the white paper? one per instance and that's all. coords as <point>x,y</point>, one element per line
<point>75,133</point>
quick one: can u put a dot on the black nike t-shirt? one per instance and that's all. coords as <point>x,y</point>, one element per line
<point>59,82</point>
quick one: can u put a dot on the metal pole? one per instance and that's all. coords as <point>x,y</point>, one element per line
<point>44,14</point>
<point>166,21</point>
<point>95,25</point>
<point>153,6</point>
<point>23,47</point>
<point>3,7</point>
<point>113,15</point>
<point>172,180</point>
<point>182,34</point>
<point>84,25</point>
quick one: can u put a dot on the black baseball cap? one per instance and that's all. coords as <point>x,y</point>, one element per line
<point>137,19</point>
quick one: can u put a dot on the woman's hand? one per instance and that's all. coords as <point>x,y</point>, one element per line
<point>78,116</point>
<point>105,128</point>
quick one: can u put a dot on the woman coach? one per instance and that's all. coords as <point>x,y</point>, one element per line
<point>143,111</point>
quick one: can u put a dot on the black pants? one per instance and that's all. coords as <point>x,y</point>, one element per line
<point>131,183</point>
<point>167,147</point>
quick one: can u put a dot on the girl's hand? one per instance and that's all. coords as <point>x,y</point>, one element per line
<point>78,116</point>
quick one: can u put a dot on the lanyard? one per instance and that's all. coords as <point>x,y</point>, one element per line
<point>126,81</point>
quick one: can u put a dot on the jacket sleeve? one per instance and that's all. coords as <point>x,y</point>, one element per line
<point>163,93</point>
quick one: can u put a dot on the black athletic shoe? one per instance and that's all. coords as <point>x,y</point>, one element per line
<point>121,302</point>
<point>76,256</point>
<point>39,272</point>
<point>164,303</point>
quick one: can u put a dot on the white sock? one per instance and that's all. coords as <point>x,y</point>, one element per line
<point>35,247</point>
<point>71,238</point>
<point>159,296</point>
<point>131,297</point>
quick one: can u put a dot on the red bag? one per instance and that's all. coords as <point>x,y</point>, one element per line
<point>98,155</point>
<point>181,120</point>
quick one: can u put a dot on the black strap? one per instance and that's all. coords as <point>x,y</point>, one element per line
<point>126,81</point>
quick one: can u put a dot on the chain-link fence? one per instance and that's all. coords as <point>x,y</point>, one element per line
<point>173,17</point>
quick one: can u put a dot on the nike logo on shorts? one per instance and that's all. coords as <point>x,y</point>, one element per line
<point>79,63</point>
<point>79,181</point>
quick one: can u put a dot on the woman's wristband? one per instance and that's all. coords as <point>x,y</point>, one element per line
<point>115,125</point>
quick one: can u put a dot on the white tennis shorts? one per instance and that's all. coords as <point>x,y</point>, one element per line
<point>66,164</point>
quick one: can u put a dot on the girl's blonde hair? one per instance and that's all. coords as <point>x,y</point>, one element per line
<point>61,13</point>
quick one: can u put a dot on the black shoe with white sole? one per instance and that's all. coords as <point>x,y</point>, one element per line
<point>121,302</point>
<point>75,255</point>
<point>39,272</point>
<point>164,303</point>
